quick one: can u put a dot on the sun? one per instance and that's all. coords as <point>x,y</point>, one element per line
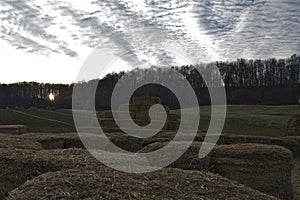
<point>51,97</point>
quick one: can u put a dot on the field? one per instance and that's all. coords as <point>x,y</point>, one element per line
<point>241,119</point>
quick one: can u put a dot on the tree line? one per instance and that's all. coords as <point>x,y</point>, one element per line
<point>236,75</point>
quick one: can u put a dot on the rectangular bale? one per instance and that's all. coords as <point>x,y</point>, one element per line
<point>132,108</point>
<point>13,129</point>
<point>145,100</point>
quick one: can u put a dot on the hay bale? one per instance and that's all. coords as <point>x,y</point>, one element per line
<point>172,117</point>
<point>72,140</point>
<point>100,114</point>
<point>126,142</point>
<point>188,161</point>
<point>119,115</point>
<point>165,136</point>
<point>142,100</point>
<point>293,126</point>
<point>171,125</point>
<point>55,140</point>
<point>104,183</point>
<point>132,108</point>
<point>13,129</point>
<point>108,114</point>
<point>21,165</point>
<point>264,167</point>
<point>108,123</point>
<point>12,141</point>
<point>290,144</point>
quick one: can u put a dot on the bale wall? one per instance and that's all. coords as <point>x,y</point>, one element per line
<point>264,167</point>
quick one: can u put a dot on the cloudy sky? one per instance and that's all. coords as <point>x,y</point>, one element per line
<point>48,40</point>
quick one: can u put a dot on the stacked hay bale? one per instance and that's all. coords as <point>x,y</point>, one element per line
<point>104,183</point>
<point>13,129</point>
<point>139,112</point>
<point>293,126</point>
<point>188,161</point>
<point>266,168</point>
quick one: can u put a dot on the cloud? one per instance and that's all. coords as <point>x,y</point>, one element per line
<point>208,30</point>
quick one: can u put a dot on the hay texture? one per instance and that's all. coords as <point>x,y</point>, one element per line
<point>20,165</point>
<point>55,140</point>
<point>167,136</point>
<point>266,168</point>
<point>15,142</point>
<point>104,183</point>
<point>293,126</point>
<point>288,143</point>
<point>188,161</point>
<point>145,100</point>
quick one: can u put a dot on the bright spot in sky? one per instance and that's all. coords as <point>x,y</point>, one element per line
<point>51,97</point>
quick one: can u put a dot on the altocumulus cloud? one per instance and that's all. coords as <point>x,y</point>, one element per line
<point>209,30</point>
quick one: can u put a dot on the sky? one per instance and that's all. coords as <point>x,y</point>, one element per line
<point>49,40</point>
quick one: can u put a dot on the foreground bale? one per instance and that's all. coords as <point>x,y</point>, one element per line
<point>188,161</point>
<point>19,165</point>
<point>264,167</point>
<point>293,126</point>
<point>11,141</point>
<point>104,183</point>
<point>22,165</point>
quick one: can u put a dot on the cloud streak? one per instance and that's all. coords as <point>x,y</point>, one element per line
<point>208,30</point>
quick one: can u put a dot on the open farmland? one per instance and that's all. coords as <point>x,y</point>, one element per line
<point>53,156</point>
<point>37,120</point>
<point>242,120</point>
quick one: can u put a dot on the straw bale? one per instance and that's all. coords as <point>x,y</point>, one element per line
<point>293,126</point>
<point>108,123</point>
<point>119,114</point>
<point>55,140</point>
<point>126,142</point>
<point>132,108</point>
<point>12,141</point>
<point>142,100</point>
<point>165,136</point>
<point>289,143</point>
<point>172,117</point>
<point>13,129</point>
<point>104,183</point>
<point>264,167</point>
<point>21,165</point>
<point>188,161</point>
<point>172,125</point>
<point>108,114</point>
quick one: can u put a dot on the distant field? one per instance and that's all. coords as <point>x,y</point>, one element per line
<point>253,120</point>
<point>249,120</point>
<point>38,120</point>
